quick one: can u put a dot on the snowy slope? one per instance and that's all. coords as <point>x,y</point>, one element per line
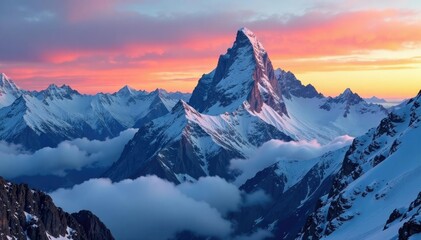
<point>313,116</point>
<point>380,173</point>
<point>38,119</point>
<point>294,187</point>
<point>186,144</point>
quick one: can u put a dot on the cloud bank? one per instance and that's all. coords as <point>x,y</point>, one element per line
<point>68,155</point>
<point>276,150</point>
<point>153,208</point>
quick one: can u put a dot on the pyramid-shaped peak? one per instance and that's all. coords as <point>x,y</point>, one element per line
<point>247,32</point>
<point>244,73</point>
<point>348,91</point>
<point>127,90</point>
<point>246,36</point>
<point>7,83</point>
<point>349,97</point>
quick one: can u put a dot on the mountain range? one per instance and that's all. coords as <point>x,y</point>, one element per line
<point>368,190</point>
<point>233,110</point>
<point>48,117</point>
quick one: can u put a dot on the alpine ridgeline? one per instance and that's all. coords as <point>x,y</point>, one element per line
<point>48,117</point>
<point>233,110</point>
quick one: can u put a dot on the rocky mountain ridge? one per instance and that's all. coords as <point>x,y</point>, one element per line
<point>28,214</point>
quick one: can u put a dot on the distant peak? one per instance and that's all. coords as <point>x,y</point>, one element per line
<point>65,91</point>
<point>159,91</point>
<point>348,91</point>
<point>52,87</point>
<point>348,96</point>
<point>127,90</point>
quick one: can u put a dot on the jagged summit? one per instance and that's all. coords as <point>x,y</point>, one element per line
<point>291,86</point>
<point>244,73</point>
<point>348,96</point>
<point>54,91</point>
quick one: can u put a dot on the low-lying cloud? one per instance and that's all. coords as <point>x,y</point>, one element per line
<point>68,155</point>
<point>153,208</point>
<point>276,150</point>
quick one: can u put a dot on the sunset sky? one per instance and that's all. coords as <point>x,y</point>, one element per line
<point>371,46</point>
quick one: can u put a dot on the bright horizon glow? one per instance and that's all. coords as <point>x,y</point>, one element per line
<point>100,46</point>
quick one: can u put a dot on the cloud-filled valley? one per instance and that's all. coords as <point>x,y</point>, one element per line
<point>68,155</point>
<point>274,151</point>
<point>152,208</point>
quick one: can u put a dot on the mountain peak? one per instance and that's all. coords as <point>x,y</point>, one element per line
<point>159,91</point>
<point>54,91</point>
<point>291,86</point>
<point>3,76</point>
<point>6,82</point>
<point>244,73</point>
<point>245,32</point>
<point>348,91</point>
<point>349,97</point>
<point>375,99</point>
<point>127,90</point>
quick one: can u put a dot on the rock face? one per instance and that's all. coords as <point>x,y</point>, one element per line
<point>28,214</point>
<point>378,174</point>
<point>244,73</point>
<point>45,118</point>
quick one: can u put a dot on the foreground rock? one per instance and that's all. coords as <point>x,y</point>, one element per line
<point>28,214</point>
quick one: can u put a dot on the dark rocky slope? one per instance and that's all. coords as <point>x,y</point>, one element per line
<point>28,214</point>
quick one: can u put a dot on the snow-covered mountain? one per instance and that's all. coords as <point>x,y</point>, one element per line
<point>9,92</point>
<point>376,194</point>
<point>45,118</point>
<point>294,187</point>
<point>313,116</point>
<point>235,109</point>
<point>244,73</point>
<point>375,99</point>
<point>186,144</point>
